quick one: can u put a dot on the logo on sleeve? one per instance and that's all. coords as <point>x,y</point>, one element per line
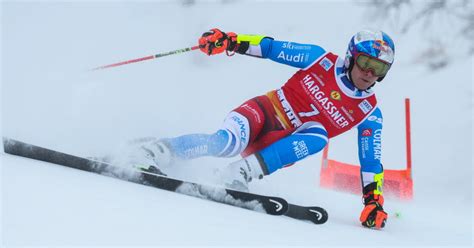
<point>375,118</point>
<point>326,64</point>
<point>367,132</point>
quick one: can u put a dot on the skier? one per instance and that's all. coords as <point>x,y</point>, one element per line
<point>327,96</point>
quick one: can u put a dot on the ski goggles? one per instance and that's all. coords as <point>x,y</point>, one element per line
<point>367,63</point>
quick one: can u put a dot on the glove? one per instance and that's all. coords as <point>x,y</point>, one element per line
<point>373,215</point>
<point>215,42</point>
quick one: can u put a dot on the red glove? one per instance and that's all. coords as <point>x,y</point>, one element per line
<point>216,41</point>
<point>373,215</point>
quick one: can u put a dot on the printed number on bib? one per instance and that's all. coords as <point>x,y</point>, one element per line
<point>309,114</point>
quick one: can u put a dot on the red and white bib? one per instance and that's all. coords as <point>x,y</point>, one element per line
<point>316,94</point>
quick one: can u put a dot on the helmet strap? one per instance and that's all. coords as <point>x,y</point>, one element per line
<point>349,70</point>
<point>371,86</point>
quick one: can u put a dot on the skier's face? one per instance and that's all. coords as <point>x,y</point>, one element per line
<point>362,79</point>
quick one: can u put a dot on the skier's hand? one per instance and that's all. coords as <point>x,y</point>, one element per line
<point>215,42</point>
<point>373,215</point>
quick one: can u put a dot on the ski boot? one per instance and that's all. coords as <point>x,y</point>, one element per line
<point>150,155</point>
<point>237,175</point>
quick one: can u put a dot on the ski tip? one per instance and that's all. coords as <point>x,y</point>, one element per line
<point>7,144</point>
<point>15,147</point>
<point>318,215</point>
<point>5,140</point>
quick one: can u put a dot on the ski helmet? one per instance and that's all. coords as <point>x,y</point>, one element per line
<point>376,44</point>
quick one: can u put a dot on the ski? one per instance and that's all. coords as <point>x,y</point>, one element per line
<point>256,202</point>
<point>317,215</point>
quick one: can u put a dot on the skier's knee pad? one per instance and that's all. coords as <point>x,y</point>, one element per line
<point>237,128</point>
<point>221,143</point>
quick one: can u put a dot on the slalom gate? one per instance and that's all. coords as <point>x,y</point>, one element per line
<point>346,177</point>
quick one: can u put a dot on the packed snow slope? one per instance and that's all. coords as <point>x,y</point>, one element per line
<point>50,98</point>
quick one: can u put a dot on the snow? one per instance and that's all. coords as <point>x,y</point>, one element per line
<point>51,99</point>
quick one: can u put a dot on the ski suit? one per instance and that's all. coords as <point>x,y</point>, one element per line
<point>288,124</point>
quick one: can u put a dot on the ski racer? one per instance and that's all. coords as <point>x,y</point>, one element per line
<point>327,96</point>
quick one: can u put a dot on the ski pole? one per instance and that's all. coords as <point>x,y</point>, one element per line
<point>147,58</point>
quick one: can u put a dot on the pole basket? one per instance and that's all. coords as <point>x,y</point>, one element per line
<point>346,177</point>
